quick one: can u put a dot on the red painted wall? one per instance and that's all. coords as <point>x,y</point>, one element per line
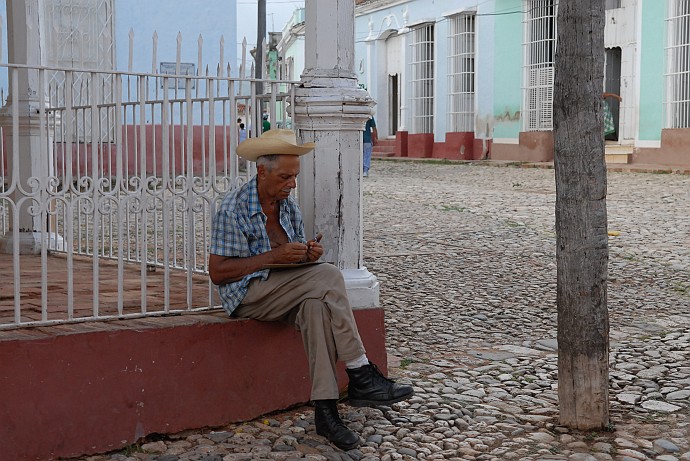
<point>134,149</point>
<point>482,149</point>
<point>420,145</point>
<point>79,389</point>
<point>458,146</point>
<point>401,139</point>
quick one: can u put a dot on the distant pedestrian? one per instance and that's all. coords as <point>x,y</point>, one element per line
<point>369,139</point>
<point>609,122</point>
<point>266,125</point>
<point>242,133</point>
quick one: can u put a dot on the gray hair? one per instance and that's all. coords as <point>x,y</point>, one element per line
<point>267,161</point>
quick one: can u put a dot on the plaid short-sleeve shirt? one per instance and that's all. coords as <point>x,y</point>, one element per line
<point>239,231</point>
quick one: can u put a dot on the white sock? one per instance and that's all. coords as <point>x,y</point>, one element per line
<point>358,362</point>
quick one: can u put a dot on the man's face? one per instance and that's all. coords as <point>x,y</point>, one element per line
<point>278,182</point>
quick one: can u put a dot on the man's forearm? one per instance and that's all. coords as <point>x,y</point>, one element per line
<point>223,269</point>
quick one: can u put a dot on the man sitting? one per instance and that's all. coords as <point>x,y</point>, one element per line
<point>258,225</point>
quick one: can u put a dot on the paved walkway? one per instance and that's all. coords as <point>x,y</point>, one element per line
<point>466,259</point>
<point>82,299</point>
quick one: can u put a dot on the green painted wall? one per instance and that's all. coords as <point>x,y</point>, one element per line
<point>508,69</point>
<point>652,67</point>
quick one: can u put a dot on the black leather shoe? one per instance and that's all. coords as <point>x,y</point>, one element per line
<point>368,387</point>
<point>329,425</point>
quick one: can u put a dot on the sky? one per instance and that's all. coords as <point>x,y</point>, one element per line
<point>278,12</point>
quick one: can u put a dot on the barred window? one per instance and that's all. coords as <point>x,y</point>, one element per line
<point>539,46</point>
<point>678,65</point>
<point>422,79</point>
<point>461,46</point>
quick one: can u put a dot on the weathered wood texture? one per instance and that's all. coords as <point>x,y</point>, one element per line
<point>581,223</point>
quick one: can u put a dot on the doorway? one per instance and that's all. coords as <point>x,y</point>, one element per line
<point>612,84</point>
<point>393,104</point>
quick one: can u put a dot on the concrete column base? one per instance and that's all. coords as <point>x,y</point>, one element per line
<point>30,243</point>
<point>362,288</point>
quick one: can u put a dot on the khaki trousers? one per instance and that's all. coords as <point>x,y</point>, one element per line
<point>313,298</point>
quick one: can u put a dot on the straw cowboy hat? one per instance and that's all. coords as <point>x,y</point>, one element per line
<point>273,142</point>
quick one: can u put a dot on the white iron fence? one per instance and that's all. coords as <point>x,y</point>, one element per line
<point>114,178</point>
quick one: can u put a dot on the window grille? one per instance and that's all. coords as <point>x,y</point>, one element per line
<point>539,49</point>
<point>422,72</point>
<point>461,46</point>
<point>678,65</point>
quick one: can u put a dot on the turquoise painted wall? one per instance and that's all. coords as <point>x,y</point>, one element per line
<point>652,67</point>
<point>507,69</point>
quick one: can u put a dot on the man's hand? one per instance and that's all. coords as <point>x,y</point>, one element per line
<point>289,253</point>
<point>314,251</point>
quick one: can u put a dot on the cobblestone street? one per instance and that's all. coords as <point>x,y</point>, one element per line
<point>465,255</point>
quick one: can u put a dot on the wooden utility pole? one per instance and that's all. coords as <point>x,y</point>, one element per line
<point>260,42</point>
<point>581,223</point>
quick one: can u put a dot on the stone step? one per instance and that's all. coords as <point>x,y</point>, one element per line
<point>386,142</point>
<point>384,148</point>
<point>378,148</point>
<point>618,154</point>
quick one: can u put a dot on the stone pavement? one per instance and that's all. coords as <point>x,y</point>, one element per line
<point>466,259</point>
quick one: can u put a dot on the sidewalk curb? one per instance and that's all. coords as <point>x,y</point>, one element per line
<point>617,168</point>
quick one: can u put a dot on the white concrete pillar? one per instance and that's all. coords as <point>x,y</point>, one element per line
<point>331,110</point>
<point>28,157</point>
<point>404,110</point>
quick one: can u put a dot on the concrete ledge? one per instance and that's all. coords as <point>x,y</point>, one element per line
<point>88,388</point>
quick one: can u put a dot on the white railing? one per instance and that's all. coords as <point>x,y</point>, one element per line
<point>116,176</point>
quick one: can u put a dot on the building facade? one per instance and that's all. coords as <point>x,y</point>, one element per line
<point>474,79</point>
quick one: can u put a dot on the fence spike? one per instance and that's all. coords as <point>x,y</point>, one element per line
<point>244,55</point>
<point>200,46</point>
<point>1,35</point>
<point>131,49</point>
<point>178,58</point>
<point>221,59</point>
<point>264,54</point>
<point>154,59</point>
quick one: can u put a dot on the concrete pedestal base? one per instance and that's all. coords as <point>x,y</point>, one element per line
<point>362,288</point>
<point>30,243</point>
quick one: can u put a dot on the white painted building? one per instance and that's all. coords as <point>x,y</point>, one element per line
<point>472,79</point>
<point>291,45</point>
